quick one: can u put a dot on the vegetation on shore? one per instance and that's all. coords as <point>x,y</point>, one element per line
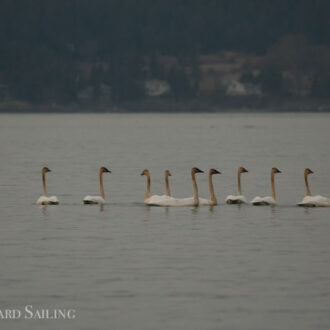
<point>113,54</point>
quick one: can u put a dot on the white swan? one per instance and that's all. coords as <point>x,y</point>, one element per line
<point>269,200</point>
<point>212,200</point>
<point>97,199</point>
<point>44,200</point>
<point>309,200</point>
<point>170,201</point>
<point>239,199</point>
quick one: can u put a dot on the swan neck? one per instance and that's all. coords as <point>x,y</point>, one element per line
<point>147,194</point>
<point>167,193</point>
<point>273,185</point>
<point>212,196</point>
<point>196,199</point>
<point>308,192</point>
<point>239,189</point>
<point>101,185</point>
<point>44,190</point>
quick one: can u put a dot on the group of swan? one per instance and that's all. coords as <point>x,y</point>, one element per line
<point>44,200</point>
<point>168,200</point>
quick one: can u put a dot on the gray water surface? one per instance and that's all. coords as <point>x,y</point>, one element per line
<point>128,266</point>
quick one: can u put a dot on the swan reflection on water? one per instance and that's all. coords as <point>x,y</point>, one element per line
<point>44,210</point>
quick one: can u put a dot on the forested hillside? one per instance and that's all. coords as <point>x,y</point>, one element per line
<point>77,51</point>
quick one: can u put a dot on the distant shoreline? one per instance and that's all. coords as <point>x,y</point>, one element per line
<point>238,105</point>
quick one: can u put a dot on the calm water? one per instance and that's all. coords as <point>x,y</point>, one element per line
<point>129,266</point>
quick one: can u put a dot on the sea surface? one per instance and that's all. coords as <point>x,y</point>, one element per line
<point>129,266</point>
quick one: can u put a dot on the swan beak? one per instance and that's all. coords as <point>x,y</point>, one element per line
<point>311,172</point>
<point>217,172</point>
<point>200,171</point>
<point>245,171</point>
<point>142,174</point>
<point>169,174</point>
<point>278,171</point>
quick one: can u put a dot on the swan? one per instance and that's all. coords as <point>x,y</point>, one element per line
<point>212,200</point>
<point>44,200</point>
<point>309,200</point>
<point>97,199</point>
<point>239,199</point>
<point>171,201</point>
<point>269,200</point>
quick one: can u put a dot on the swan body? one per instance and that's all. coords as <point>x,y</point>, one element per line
<point>239,199</point>
<point>44,199</point>
<point>263,201</point>
<point>165,200</point>
<point>269,200</point>
<point>171,201</point>
<point>212,200</point>
<point>315,201</point>
<point>97,199</point>
<point>93,200</point>
<point>157,199</point>
<point>309,200</point>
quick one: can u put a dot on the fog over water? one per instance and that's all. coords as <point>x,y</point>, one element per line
<point>129,266</point>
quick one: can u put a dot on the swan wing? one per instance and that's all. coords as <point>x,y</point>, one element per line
<point>315,201</point>
<point>263,201</point>
<point>93,200</point>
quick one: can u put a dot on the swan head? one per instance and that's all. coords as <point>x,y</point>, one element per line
<point>214,171</point>
<point>104,170</point>
<point>275,170</point>
<point>145,172</point>
<point>242,170</point>
<point>308,171</point>
<point>45,170</point>
<point>195,170</point>
<point>167,173</point>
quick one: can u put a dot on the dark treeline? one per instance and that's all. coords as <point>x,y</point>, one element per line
<point>54,51</point>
